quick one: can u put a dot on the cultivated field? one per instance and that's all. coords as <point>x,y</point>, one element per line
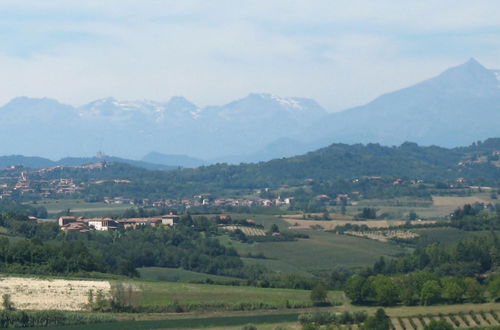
<point>438,207</point>
<point>82,208</point>
<point>223,297</point>
<point>177,275</point>
<point>321,251</point>
<point>460,201</point>
<point>459,320</point>
<point>248,231</point>
<point>332,224</point>
<point>40,294</point>
<point>384,235</point>
<point>446,235</point>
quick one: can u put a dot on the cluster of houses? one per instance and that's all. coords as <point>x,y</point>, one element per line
<point>206,201</point>
<point>81,224</point>
<point>15,179</point>
<point>44,188</point>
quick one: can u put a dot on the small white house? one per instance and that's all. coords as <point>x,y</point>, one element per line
<point>170,219</point>
<point>103,224</point>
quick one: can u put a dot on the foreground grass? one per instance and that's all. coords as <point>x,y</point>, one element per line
<point>265,320</point>
<point>223,297</point>
<point>193,323</point>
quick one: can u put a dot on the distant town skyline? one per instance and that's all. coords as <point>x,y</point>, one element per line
<point>340,53</point>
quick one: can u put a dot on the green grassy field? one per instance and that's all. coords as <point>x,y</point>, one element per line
<point>164,293</point>
<point>264,320</point>
<point>177,275</point>
<point>438,207</point>
<point>322,251</point>
<point>446,235</point>
<point>82,208</point>
<point>229,322</point>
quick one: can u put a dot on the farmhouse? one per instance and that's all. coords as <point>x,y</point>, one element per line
<point>133,223</point>
<point>76,226</point>
<point>71,223</point>
<point>66,219</point>
<point>102,224</point>
<point>170,219</point>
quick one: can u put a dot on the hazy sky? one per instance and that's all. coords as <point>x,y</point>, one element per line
<point>341,53</point>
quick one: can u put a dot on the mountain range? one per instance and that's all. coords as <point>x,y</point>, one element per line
<point>40,162</point>
<point>459,106</point>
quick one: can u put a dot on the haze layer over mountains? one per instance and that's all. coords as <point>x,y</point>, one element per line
<point>459,106</point>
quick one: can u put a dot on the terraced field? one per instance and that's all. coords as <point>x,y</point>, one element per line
<point>248,231</point>
<point>458,321</point>
<point>384,235</point>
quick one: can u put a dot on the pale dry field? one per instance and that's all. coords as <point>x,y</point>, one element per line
<point>43,294</point>
<point>249,231</point>
<point>384,236</point>
<point>459,201</point>
<point>334,216</point>
<point>332,224</point>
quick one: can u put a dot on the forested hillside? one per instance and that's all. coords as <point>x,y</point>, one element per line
<point>339,163</point>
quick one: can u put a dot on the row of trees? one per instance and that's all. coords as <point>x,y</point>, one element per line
<point>421,288</point>
<point>468,258</point>
<point>431,274</point>
<point>474,217</point>
<point>190,245</point>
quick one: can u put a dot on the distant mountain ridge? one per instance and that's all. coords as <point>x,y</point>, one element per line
<point>457,107</point>
<point>170,160</point>
<point>134,128</point>
<point>40,162</point>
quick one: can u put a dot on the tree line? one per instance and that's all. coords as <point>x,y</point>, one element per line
<point>432,274</point>
<point>190,245</point>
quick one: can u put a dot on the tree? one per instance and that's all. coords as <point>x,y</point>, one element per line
<point>494,288</point>
<point>368,213</point>
<point>379,321</point>
<point>409,286</point>
<point>379,266</point>
<point>319,295</point>
<point>438,325</point>
<point>357,289</point>
<point>430,293</point>
<point>412,216</point>
<point>386,292</point>
<point>453,289</point>
<point>473,290</point>
<point>123,298</point>
<point>274,228</point>
<point>7,303</point>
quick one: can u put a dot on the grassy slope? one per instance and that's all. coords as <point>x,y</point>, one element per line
<point>177,275</point>
<point>193,323</point>
<point>447,235</point>
<point>322,251</point>
<point>162,293</point>
<point>80,207</point>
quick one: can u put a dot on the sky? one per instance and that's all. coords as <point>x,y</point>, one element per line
<point>340,53</point>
